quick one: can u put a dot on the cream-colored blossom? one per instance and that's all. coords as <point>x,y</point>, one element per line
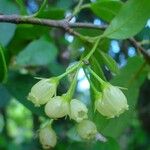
<point>57,107</point>
<point>47,137</point>
<point>87,129</point>
<point>111,102</point>
<point>42,91</point>
<point>78,110</point>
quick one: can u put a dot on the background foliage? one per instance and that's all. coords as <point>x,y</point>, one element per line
<point>29,51</point>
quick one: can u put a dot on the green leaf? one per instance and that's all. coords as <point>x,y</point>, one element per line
<point>130,20</point>
<point>7,30</point>
<point>3,67</point>
<point>106,10</point>
<point>111,144</point>
<point>89,32</point>
<point>57,68</point>
<point>19,86</point>
<point>38,52</point>
<point>52,13</point>
<point>4,96</point>
<point>64,4</point>
<point>30,32</point>
<point>104,45</point>
<point>23,35</point>
<point>96,66</point>
<point>123,79</point>
<point>109,62</point>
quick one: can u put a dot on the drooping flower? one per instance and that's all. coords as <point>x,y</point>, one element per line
<point>111,102</point>
<point>42,91</point>
<point>87,129</point>
<point>78,110</point>
<point>57,107</point>
<point>47,137</point>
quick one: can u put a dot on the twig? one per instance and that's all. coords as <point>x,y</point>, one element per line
<point>16,19</point>
<point>67,26</point>
<point>142,50</point>
<point>87,25</point>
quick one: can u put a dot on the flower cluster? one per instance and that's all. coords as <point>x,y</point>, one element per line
<point>110,102</point>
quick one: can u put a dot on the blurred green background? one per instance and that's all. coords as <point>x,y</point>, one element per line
<point>37,51</point>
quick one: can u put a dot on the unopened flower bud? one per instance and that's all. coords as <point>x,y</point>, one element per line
<point>57,107</point>
<point>78,110</point>
<point>47,137</point>
<point>111,102</point>
<point>42,91</point>
<point>87,129</point>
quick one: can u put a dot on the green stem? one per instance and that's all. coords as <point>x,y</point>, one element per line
<point>80,63</point>
<point>77,8</point>
<point>91,83</point>
<point>95,61</point>
<point>76,66</point>
<point>51,121</point>
<point>40,9</point>
<point>82,37</point>
<point>93,49</point>
<point>96,76</point>
<point>85,6</point>
<point>70,92</point>
<point>47,123</point>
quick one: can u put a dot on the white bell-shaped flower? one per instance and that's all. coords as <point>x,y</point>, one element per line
<point>42,91</point>
<point>47,137</point>
<point>111,102</point>
<point>78,110</point>
<point>57,107</point>
<point>87,129</point>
